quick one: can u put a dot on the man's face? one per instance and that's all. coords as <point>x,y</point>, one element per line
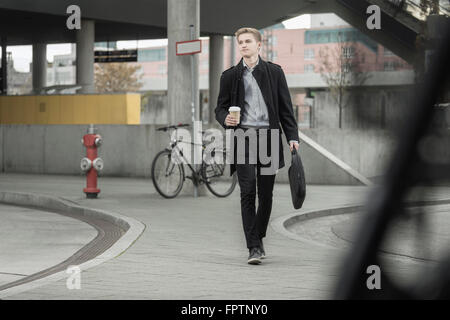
<point>248,46</point>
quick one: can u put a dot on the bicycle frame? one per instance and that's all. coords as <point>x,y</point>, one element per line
<point>197,171</point>
<point>196,176</point>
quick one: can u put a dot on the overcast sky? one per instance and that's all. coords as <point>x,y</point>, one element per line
<point>22,55</point>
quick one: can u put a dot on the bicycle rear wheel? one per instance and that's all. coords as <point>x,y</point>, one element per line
<point>217,177</point>
<point>167,175</point>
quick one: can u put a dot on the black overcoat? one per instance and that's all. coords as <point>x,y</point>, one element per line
<point>272,83</point>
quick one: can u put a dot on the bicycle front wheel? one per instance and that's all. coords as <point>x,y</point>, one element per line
<point>167,175</point>
<point>217,177</point>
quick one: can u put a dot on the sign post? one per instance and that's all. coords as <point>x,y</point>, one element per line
<point>192,47</point>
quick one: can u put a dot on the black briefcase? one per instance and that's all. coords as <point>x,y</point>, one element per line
<point>297,180</point>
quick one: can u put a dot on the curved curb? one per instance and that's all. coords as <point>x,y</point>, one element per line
<point>282,223</point>
<point>133,230</point>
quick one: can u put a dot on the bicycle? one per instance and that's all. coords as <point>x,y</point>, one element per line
<point>168,175</point>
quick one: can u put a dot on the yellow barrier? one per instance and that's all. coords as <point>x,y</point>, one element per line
<point>71,109</point>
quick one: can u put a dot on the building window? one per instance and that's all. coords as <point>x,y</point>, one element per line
<point>49,77</point>
<point>339,35</point>
<point>389,66</point>
<point>62,62</point>
<point>270,55</point>
<point>309,68</point>
<point>322,37</point>
<point>309,54</point>
<point>162,69</point>
<point>348,52</point>
<point>148,55</point>
<point>346,67</point>
<point>272,40</point>
<point>274,55</point>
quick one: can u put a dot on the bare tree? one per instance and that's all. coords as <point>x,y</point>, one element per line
<point>117,77</point>
<point>341,68</point>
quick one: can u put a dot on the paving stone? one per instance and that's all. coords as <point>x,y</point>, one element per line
<point>194,248</point>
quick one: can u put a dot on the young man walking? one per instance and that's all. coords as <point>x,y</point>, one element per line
<point>260,89</point>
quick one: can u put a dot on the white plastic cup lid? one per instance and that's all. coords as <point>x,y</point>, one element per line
<point>231,109</point>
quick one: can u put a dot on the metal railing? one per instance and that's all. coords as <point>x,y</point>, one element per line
<point>413,7</point>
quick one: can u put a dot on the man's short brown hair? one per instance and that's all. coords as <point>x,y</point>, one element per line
<point>253,31</point>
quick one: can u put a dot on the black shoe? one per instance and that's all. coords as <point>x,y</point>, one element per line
<point>254,256</point>
<point>263,253</point>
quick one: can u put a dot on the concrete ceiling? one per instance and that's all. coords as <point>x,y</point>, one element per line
<point>28,21</point>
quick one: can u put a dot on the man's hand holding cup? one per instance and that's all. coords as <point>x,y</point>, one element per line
<point>233,117</point>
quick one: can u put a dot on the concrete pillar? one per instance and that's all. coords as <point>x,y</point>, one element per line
<point>435,25</point>
<point>180,84</point>
<point>233,50</point>
<point>215,71</point>
<point>180,15</point>
<point>39,67</point>
<point>85,56</point>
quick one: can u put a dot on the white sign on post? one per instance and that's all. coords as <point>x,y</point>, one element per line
<point>188,47</point>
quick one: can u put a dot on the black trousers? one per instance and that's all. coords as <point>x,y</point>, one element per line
<point>252,183</point>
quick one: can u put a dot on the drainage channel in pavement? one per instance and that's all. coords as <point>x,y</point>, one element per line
<point>107,234</point>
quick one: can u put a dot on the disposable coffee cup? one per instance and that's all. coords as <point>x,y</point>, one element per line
<point>235,113</point>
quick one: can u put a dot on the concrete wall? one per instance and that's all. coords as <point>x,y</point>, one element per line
<point>128,150</point>
<point>369,107</point>
<point>318,169</point>
<point>56,149</point>
<point>154,109</point>
<point>366,108</point>
<point>366,151</point>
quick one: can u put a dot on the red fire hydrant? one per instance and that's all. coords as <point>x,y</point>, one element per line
<point>92,164</point>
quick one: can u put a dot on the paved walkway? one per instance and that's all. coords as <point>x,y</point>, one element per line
<point>28,235</point>
<point>195,248</point>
